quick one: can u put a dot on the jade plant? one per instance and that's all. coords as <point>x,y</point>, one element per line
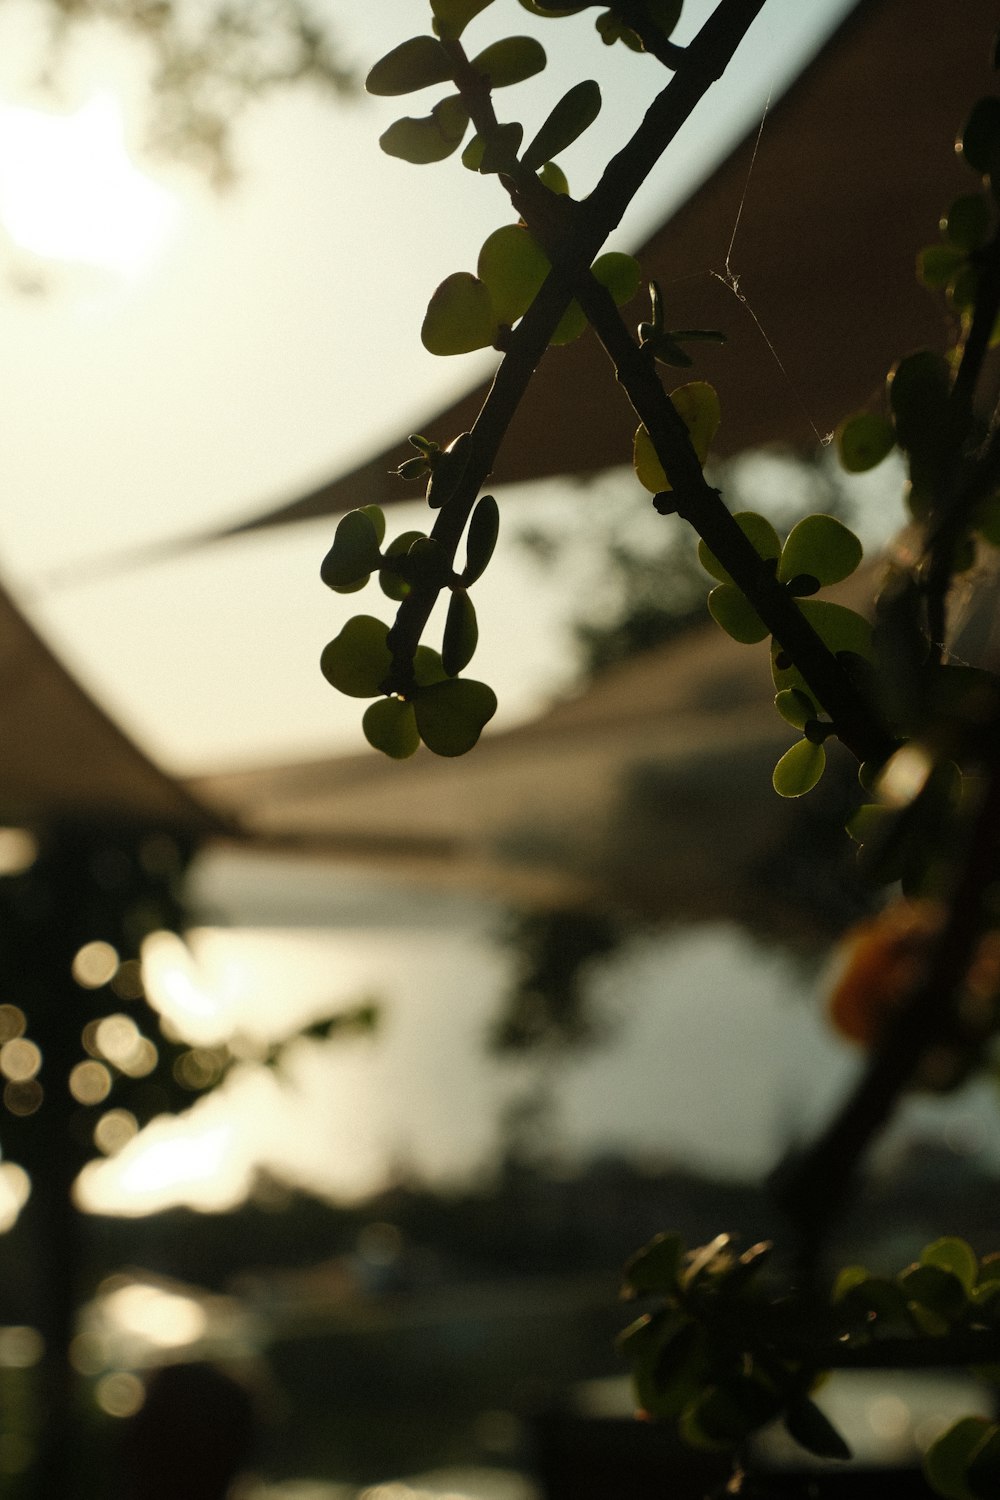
<point>728,1344</point>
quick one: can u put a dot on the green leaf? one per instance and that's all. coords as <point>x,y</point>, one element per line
<point>795,707</point>
<point>935,1297</point>
<point>452,16</point>
<point>822,547</point>
<point>656,1267</point>
<point>570,326</point>
<point>848,1277</point>
<point>697,404</point>
<point>799,769</point>
<point>392,583</point>
<point>472,156</point>
<point>980,139</point>
<point>869,821</point>
<point>725,1414</point>
<point>669,1378</point>
<point>513,266</point>
<point>427,667</point>
<point>482,539</point>
<point>554,179</point>
<point>575,111</point>
<point>461,633</point>
<point>839,628</point>
<point>938,265</point>
<point>954,1255</point>
<point>354,554</point>
<point>621,274</point>
<point>967,222</point>
<point>357,660</point>
<point>864,440</point>
<point>947,1460</point>
<point>872,1301</point>
<point>813,1430</point>
<point>730,608</point>
<point>451,715</point>
<point>412,65</point>
<point>509,61</point>
<point>390,725</point>
<point>430,137</point>
<point>500,151</point>
<point>758,531</point>
<point>459,316</point>
<point>446,475</point>
<point>983,1474</point>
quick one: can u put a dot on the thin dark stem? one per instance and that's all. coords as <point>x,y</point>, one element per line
<point>704,62</point>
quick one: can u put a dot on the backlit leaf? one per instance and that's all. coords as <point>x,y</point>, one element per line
<point>451,715</point>
<point>980,138</point>
<point>575,111</point>
<point>967,222</point>
<point>795,707</point>
<point>390,725</point>
<point>730,608</point>
<point>621,274</point>
<point>391,582</point>
<point>864,440</point>
<point>656,1267</point>
<point>509,61</point>
<point>554,179</point>
<point>482,538</point>
<point>822,547</point>
<point>358,659</point>
<point>954,1255</point>
<point>938,265</point>
<point>758,531</point>
<point>570,326</point>
<point>513,266</point>
<point>813,1430</point>
<point>799,769</point>
<point>947,1459</point>
<point>459,317</point>
<point>428,138</point>
<point>461,633</point>
<point>354,553</point>
<point>919,387</point>
<point>412,65</point>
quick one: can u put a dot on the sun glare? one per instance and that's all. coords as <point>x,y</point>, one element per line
<point>69,192</point>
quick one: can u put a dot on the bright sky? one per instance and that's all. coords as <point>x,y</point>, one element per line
<point>195,359</point>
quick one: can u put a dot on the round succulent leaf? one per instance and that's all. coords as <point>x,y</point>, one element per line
<point>509,61</point>
<point>459,316</point>
<point>863,440</point>
<point>954,1255</point>
<point>357,660</point>
<point>758,531</point>
<point>730,608</point>
<point>500,151</point>
<point>968,221</point>
<point>576,110</point>
<point>870,821</point>
<point>393,584</point>
<point>461,633</point>
<point>427,666</point>
<point>427,138</point>
<point>980,139</point>
<point>447,471</point>
<point>376,515</point>
<point>983,1474</point>
<point>799,769</point>
<point>570,326</point>
<point>795,707</point>
<point>472,156</point>
<point>484,528</point>
<point>936,1297</point>
<point>452,16</point>
<point>947,1460</point>
<point>413,65</point>
<point>620,273</point>
<point>427,563</point>
<point>512,266</point>
<point>839,628</point>
<point>354,553</point>
<point>669,1378</point>
<point>451,715</point>
<point>822,547</point>
<point>390,725</point>
<point>554,178</point>
<point>847,1278</point>
<point>697,404</point>
<point>665,14</point>
<point>938,265</point>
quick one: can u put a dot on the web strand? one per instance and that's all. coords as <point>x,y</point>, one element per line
<point>731,280</point>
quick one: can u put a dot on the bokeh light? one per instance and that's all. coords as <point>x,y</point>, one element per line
<point>15,1190</point>
<point>90,1082</point>
<point>114,1130</point>
<point>18,850</point>
<point>12,1022</point>
<point>19,1059</point>
<point>119,1394</point>
<point>95,964</point>
<point>23,1099</point>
